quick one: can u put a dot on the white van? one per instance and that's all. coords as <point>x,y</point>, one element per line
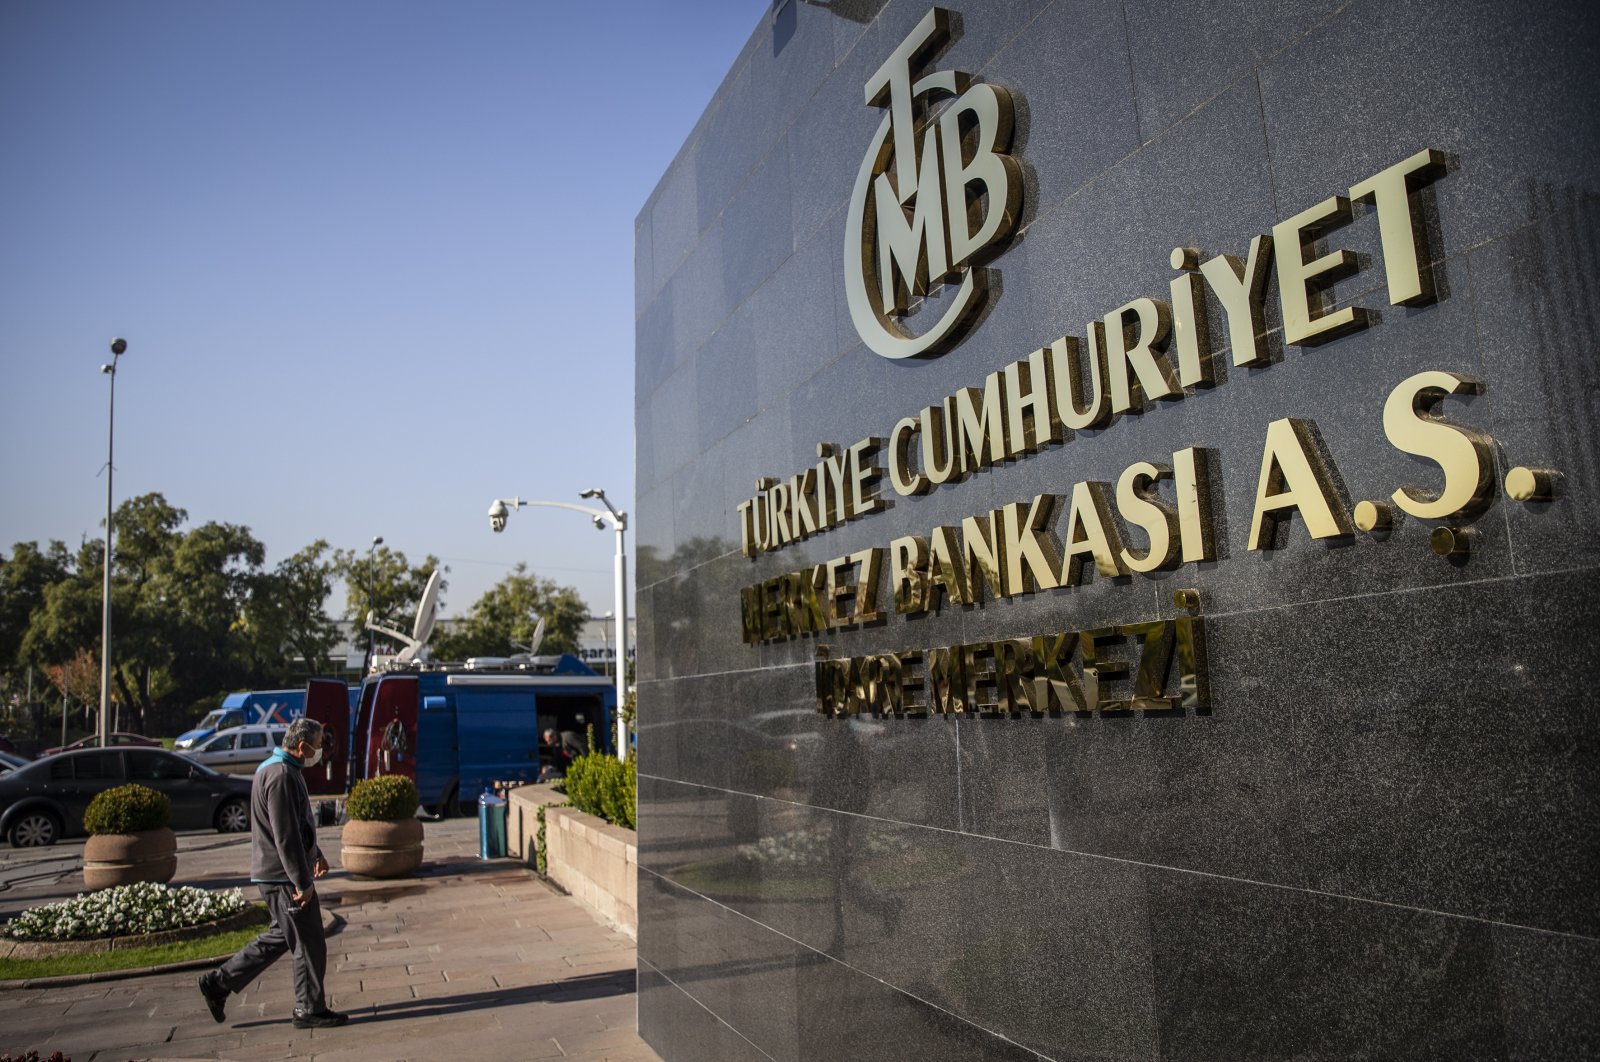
<point>238,750</point>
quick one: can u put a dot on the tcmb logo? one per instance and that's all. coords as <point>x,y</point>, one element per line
<point>933,198</point>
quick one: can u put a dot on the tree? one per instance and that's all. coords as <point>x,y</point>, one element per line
<point>388,586</point>
<point>24,578</point>
<point>177,602</point>
<point>285,615</point>
<point>504,618</point>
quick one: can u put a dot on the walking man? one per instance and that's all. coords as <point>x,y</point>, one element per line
<point>284,858</point>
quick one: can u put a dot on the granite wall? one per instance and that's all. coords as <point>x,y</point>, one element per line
<point>1379,838</point>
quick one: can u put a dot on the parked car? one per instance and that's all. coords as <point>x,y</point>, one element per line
<point>93,742</point>
<point>237,750</point>
<point>10,762</point>
<point>44,801</point>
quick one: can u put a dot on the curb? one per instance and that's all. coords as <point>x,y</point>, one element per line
<point>331,925</point>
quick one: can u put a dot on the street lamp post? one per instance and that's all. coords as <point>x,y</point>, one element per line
<point>118,346</point>
<point>619,522</point>
<point>366,661</point>
<point>605,635</point>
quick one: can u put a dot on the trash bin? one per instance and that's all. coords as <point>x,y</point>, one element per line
<point>491,825</point>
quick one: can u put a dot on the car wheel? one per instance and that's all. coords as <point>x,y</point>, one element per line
<point>34,829</point>
<point>233,817</point>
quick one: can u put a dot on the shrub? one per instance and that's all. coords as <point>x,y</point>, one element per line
<point>388,796</point>
<point>127,809</point>
<point>606,787</point>
<point>125,910</point>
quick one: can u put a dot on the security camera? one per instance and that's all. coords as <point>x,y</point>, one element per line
<point>497,516</point>
<point>593,492</point>
<point>599,523</point>
<point>119,345</point>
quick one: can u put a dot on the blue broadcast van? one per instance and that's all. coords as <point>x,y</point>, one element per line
<point>454,729</point>
<point>241,709</point>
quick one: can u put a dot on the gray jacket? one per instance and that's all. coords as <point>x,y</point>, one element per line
<point>283,833</point>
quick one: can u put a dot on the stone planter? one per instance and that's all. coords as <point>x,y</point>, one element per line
<point>381,848</point>
<point>126,858</point>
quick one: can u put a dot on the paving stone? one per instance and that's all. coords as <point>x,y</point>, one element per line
<point>471,964</point>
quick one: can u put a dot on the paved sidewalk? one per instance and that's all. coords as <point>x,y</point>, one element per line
<point>469,960</point>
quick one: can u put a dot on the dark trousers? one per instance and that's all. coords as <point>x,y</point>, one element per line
<point>297,930</point>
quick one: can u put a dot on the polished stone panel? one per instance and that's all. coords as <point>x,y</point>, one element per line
<point>1377,837</point>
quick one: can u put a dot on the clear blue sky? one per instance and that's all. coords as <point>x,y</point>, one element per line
<point>373,260</point>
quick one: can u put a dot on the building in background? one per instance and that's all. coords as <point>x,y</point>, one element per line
<point>1117,489</point>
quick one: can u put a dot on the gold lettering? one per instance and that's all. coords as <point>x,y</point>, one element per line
<point>1055,686</point>
<point>1410,277</point>
<point>1031,419</point>
<point>747,528</point>
<point>1300,283</point>
<point>864,473</point>
<point>1241,289</point>
<point>981,555</point>
<point>947,686</point>
<point>1140,505</point>
<point>945,572</point>
<point>1412,423</point>
<point>938,455</point>
<point>904,479</point>
<point>1136,335</point>
<point>912,693</point>
<point>981,425</point>
<point>983,692</point>
<point>1090,533</point>
<point>1189,473</point>
<point>1031,559</point>
<point>1294,477</point>
<point>871,563</point>
<point>908,567</point>
<point>834,492</point>
<point>911,250</point>
<point>1190,336</point>
<point>1155,660</point>
<point>1098,670</point>
<point>995,210</point>
<point>841,592</point>
<point>1073,405</point>
<point>803,495</point>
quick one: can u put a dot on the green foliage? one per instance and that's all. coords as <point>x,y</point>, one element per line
<point>387,585</point>
<point>285,615</point>
<point>208,946</point>
<point>541,854</point>
<point>386,797</point>
<point>127,809</point>
<point>196,614</point>
<point>505,617</point>
<point>605,786</point>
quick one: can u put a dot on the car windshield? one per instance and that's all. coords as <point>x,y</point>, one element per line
<point>210,721</point>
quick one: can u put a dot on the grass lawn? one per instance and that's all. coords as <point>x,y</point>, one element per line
<point>212,947</point>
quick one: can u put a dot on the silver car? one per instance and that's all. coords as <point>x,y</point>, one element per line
<point>238,750</point>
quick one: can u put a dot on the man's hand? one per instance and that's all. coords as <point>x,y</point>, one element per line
<point>302,898</point>
<point>319,868</point>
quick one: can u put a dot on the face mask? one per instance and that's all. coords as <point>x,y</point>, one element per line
<point>314,759</point>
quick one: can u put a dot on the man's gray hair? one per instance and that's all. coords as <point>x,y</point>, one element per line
<point>302,731</point>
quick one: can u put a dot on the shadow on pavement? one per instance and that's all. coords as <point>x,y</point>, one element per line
<point>587,986</point>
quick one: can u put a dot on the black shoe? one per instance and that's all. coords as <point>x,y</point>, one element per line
<point>319,1019</point>
<point>216,996</point>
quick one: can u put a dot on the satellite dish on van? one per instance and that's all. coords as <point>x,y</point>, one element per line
<point>422,629</point>
<point>531,650</point>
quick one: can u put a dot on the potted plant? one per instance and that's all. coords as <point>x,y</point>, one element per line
<point>129,840</point>
<point>383,838</point>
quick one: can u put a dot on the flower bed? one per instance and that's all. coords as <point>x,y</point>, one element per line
<point>127,910</point>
